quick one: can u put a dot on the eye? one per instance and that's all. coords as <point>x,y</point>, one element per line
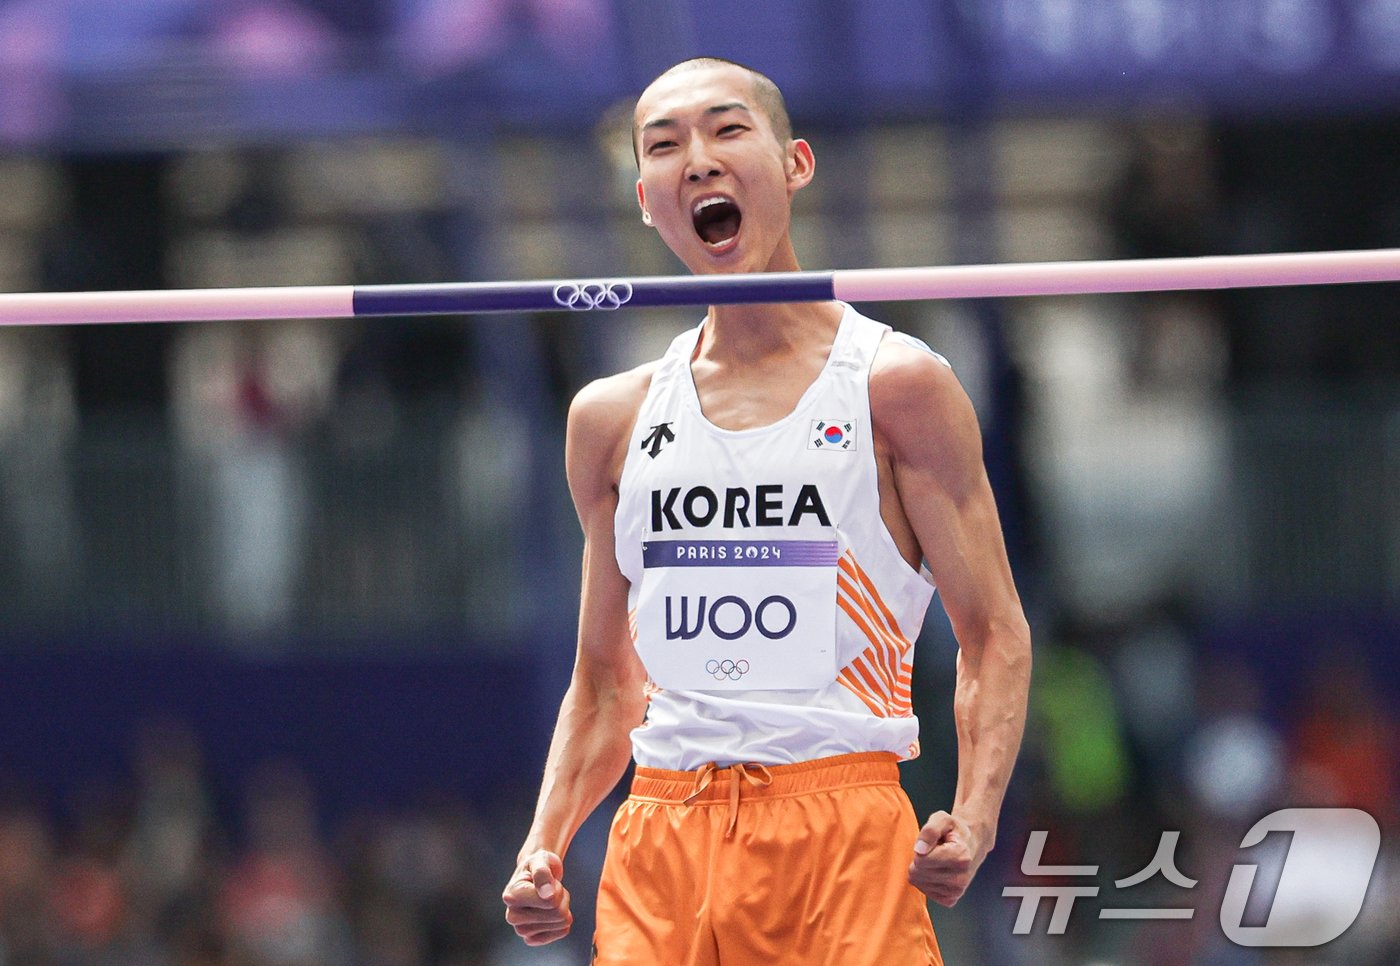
<point>656,146</point>
<point>732,129</point>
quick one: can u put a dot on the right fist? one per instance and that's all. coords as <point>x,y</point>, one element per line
<point>537,904</point>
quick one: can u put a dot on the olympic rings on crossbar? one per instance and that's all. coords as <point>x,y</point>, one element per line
<point>585,296</point>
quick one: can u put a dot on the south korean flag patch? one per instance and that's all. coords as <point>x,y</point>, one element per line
<point>833,434</point>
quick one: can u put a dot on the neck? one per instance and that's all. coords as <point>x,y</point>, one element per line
<point>752,333</point>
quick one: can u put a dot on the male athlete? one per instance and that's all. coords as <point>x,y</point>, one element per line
<point>758,506</point>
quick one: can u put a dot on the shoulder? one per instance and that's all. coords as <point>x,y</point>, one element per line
<point>610,404</point>
<point>907,376</point>
<point>601,417</point>
<point>919,407</point>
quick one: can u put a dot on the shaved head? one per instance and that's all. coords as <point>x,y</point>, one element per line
<point>766,94</point>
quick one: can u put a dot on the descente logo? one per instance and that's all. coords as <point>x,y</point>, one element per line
<point>763,506</point>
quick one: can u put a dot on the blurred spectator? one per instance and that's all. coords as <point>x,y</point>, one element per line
<point>88,900</point>
<point>37,422</point>
<point>1154,671</point>
<point>1080,730</point>
<point>415,892</point>
<point>1345,745</point>
<point>1235,759</point>
<point>1180,352</point>
<point>1167,204</point>
<point>1078,754</point>
<point>144,876</point>
<point>26,868</point>
<point>243,394</point>
<point>1168,201</point>
<point>168,848</point>
<point>278,903</point>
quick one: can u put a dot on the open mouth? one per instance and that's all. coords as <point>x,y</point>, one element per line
<point>716,221</point>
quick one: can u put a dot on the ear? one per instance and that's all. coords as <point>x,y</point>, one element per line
<point>642,203</point>
<point>801,164</point>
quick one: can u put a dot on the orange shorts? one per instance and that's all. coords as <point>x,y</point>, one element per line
<point>779,866</point>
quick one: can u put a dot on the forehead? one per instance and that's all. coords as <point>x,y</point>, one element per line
<point>690,91</point>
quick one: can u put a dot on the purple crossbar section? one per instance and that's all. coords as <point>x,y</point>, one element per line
<point>597,295</point>
<point>739,553</point>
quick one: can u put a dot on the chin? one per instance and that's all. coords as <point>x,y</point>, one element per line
<point>731,261</point>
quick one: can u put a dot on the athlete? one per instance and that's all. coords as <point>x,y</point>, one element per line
<point>766,512</point>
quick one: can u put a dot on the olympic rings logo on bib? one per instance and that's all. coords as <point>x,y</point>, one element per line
<point>733,670</point>
<point>585,296</point>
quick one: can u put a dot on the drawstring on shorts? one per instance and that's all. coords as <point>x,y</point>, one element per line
<point>760,777</point>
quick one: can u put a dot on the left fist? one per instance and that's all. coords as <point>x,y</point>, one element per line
<point>946,857</point>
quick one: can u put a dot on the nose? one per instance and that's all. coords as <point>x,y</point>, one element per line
<point>700,162</point>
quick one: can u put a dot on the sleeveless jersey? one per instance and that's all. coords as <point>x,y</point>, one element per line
<point>769,604</point>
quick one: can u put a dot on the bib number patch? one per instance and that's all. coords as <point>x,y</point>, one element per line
<point>716,615</point>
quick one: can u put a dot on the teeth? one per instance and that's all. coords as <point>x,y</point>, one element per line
<point>702,205</point>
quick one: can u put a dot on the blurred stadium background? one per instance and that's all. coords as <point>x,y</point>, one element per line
<point>286,608</point>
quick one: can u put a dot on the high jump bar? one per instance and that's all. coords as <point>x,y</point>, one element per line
<point>853,285</point>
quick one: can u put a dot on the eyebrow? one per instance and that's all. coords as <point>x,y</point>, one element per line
<point>666,122</point>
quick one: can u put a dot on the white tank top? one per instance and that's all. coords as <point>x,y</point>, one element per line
<point>770,605</point>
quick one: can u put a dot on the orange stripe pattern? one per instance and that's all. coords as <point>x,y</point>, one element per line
<point>880,675</point>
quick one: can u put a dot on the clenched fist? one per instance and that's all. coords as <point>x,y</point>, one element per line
<point>537,904</point>
<point>946,857</point>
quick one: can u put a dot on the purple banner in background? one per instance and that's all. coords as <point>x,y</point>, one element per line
<point>739,553</point>
<point>1294,52</point>
<point>100,74</point>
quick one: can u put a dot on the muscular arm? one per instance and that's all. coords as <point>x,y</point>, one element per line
<point>935,453</point>
<point>590,749</point>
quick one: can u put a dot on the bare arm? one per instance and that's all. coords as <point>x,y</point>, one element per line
<point>931,433</point>
<point>590,749</point>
